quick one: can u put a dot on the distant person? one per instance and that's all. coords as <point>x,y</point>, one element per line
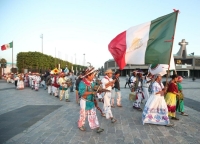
<point>127,81</point>
<point>180,98</point>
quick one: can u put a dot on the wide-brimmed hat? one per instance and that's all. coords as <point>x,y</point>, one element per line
<point>89,70</point>
<point>56,71</point>
<point>108,71</point>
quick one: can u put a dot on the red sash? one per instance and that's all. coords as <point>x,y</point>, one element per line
<point>55,84</point>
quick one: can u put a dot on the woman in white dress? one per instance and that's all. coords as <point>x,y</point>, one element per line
<point>20,83</point>
<point>145,85</point>
<point>155,110</point>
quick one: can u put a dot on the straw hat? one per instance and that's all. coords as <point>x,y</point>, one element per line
<point>55,71</point>
<point>108,71</point>
<point>90,69</point>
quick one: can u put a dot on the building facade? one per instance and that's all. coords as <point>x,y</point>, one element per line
<point>187,65</point>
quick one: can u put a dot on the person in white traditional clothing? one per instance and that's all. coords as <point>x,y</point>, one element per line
<point>26,80</point>
<point>108,83</point>
<point>10,78</point>
<point>62,81</point>
<point>30,79</point>
<point>133,79</point>
<point>155,110</point>
<point>37,80</point>
<point>20,83</point>
<point>49,83</point>
<point>139,92</point>
<point>145,85</point>
<point>55,84</point>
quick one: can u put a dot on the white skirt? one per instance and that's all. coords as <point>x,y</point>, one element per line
<point>155,111</point>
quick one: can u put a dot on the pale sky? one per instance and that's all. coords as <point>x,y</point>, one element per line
<point>75,27</point>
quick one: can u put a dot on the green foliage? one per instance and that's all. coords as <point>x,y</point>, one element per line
<point>3,61</point>
<point>38,62</point>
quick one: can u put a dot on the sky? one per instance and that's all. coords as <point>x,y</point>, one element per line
<point>72,28</point>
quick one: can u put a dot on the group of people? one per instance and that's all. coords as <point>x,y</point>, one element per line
<point>161,102</point>
<point>57,82</point>
<point>108,86</point>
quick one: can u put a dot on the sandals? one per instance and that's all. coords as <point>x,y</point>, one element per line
<point>82,128</point>
<point>113,120</point>
<point>137,108</point>
<point>184,114</point>
<point>175,118</point>
<point>169,125</point>
<point>119,105</point>
<point>99,130</point>
<point>103,115</point>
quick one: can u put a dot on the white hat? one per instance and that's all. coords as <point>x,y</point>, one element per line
<point>108,71</point>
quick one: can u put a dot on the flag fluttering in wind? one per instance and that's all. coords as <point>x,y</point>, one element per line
<point>147,43</point>
<point>7,46</point>
<point>162,68</point>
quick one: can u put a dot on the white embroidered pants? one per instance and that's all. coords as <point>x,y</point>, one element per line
<point>49,89</point>
<point>146,93</point>
<point>65,93</point>
<point>107,105</point>
<point>55,90</point>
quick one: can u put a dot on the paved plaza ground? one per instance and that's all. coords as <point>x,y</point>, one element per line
<point>27,116</point>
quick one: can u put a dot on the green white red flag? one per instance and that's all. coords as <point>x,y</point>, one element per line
<point>147,43</point>
<point>7,46</point>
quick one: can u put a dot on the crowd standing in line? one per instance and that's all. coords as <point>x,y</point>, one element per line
<point>161,102</point>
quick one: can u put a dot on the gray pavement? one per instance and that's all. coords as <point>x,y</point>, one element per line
<point>59,123</point>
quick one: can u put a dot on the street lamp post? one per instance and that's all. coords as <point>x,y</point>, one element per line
<point>193,66</point>
<point>42,41</point>
<point>83,59</point>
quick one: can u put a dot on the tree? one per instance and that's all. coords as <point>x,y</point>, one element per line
<point>38,62</point>
<point>3,63</point>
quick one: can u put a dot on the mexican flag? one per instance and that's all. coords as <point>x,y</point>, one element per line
<point>7,46</point>
<point>147,43</point>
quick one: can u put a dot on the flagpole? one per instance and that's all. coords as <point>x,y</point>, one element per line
<point>171,48</point>
<point>12,57</point>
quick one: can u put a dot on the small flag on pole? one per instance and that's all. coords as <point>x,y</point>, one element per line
<point>7,46</point>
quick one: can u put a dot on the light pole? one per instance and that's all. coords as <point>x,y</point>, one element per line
<point>75,58</point>
<point>193,66</point>
<point>42,41</point>
<point>83,59</point>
